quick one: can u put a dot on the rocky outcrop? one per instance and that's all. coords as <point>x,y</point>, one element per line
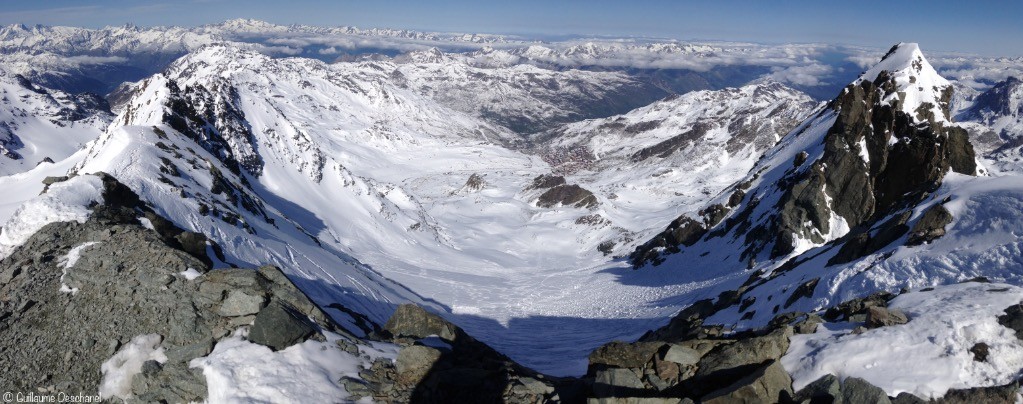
<point>883,153</point>
<point>440,363</point>
<point>1013,319</point>
<point>685,231</point>
<point>474,183</point>
<point>213,119</point>
<point>75,293</point>
<point>931,226</point>
<point>767,383</point>
<point>703,366</point>
<point>567,195</point>
<point>545,181</point>
<point>904,158</point>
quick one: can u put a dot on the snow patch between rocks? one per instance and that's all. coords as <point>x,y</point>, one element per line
<point>147,223</point>
<point>190,274</point>
<point>239,371</point>
<point>126,363</point>
<point>927,356</point>
<point>68,261</point>
<point>64,202</point>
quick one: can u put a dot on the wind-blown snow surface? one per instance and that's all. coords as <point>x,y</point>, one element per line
<point>925,357</point>
<point>119,370</point>
<point>238,371</point>
<point>65,202</point>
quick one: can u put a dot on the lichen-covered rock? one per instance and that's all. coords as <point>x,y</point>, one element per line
<point>410,320</point>
<point>882,317</point>
<point>414,363</point>
<point>624,355</point>
<point>753,351</point>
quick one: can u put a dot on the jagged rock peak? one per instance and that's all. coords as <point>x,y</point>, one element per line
<point>915,87</point>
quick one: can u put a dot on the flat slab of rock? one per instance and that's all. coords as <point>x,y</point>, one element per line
<point>882,317</point>
<point>239,303</point>
<point>746,352</point>
<point>415,362</point>
<point>617,382</point>
<point>827,389</point>
<point>682,355</point>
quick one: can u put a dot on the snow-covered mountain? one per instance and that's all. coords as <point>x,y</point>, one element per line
<point>41,125</point>
<point>357,165</point>
<point>306,165</point>
<point>997,114</point>
<point>878,192</point>
<point>673,156</point>
<point>300,163</point>
<point>521,97</point>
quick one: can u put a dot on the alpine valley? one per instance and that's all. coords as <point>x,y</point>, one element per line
<point>249,212</point>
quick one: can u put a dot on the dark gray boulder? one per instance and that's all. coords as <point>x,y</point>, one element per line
<point>847,309</point>
<point>567,195</point>
<point>1013,319</point>
<point>856,390</point>
<point>279,326</point>
<point>931,226</point>
<point>767,384</point>
<point>827,389</point>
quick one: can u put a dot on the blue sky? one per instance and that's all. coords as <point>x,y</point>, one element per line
<point>991,28</point>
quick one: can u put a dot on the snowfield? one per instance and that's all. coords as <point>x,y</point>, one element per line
<point>925,357</point>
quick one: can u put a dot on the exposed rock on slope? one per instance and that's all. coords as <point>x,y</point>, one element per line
<point>887,141</point>
<point>440,363</point>
<point>75,293</point>
<point>674,156</point>
<point>733,124</point>
<point>996,123</point>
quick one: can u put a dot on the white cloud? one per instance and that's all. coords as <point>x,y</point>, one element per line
<point>804,75</point>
